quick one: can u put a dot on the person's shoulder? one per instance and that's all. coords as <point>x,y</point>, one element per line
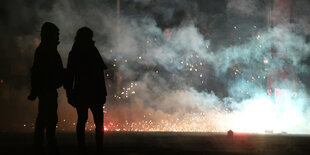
<point>92,46</point>
<point>43,48</point>
<point>94,49</point>
<point>38,50</point>
<point>39,47</point>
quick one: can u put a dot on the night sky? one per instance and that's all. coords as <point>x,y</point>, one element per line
<point>178,65</point>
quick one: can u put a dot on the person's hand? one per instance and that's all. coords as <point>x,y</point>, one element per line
<point>70,97</point>
<point>32,96</point>
<point>102,100</point>
<point>295,94</point>
<point>269,91</point>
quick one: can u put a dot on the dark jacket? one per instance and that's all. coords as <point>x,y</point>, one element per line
<point>47,70</point>
<point>85,74</point>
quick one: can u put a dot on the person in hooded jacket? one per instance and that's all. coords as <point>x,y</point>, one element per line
<point>85,85</point>
<point>46,78</point>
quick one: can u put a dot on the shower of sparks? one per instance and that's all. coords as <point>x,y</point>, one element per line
<point>258,116</point>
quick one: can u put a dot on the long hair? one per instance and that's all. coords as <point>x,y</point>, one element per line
<point>48,30</point>
<point>84,35</point>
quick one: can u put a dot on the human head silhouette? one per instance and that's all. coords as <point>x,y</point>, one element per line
<point>84,34</point>
<point>49,33</point>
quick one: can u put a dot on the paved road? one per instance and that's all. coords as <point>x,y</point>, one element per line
<point>136,143</point>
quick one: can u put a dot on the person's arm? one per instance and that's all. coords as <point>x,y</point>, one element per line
<point>69,79</point>
<point>100,60</point>
<point>59,74</point>
<point>102,79</point>
<point>69,73</point>
<point>34,76</point>
<point>104,66</point>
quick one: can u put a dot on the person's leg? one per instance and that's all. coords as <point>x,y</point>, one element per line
<point>39,128</point>
<point>52,120</point>
<point>97,111</point>
<point>82,112</point>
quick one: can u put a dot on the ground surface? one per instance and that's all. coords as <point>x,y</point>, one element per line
<point>168,143</point>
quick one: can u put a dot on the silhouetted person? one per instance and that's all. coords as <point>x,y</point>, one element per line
<point>85,85</point>
<point>46,77</point>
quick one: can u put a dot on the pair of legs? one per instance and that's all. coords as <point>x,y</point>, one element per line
<point>82,111</point>
<point>46,120</point>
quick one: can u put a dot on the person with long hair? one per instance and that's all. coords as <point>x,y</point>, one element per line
<point>85,85</point>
